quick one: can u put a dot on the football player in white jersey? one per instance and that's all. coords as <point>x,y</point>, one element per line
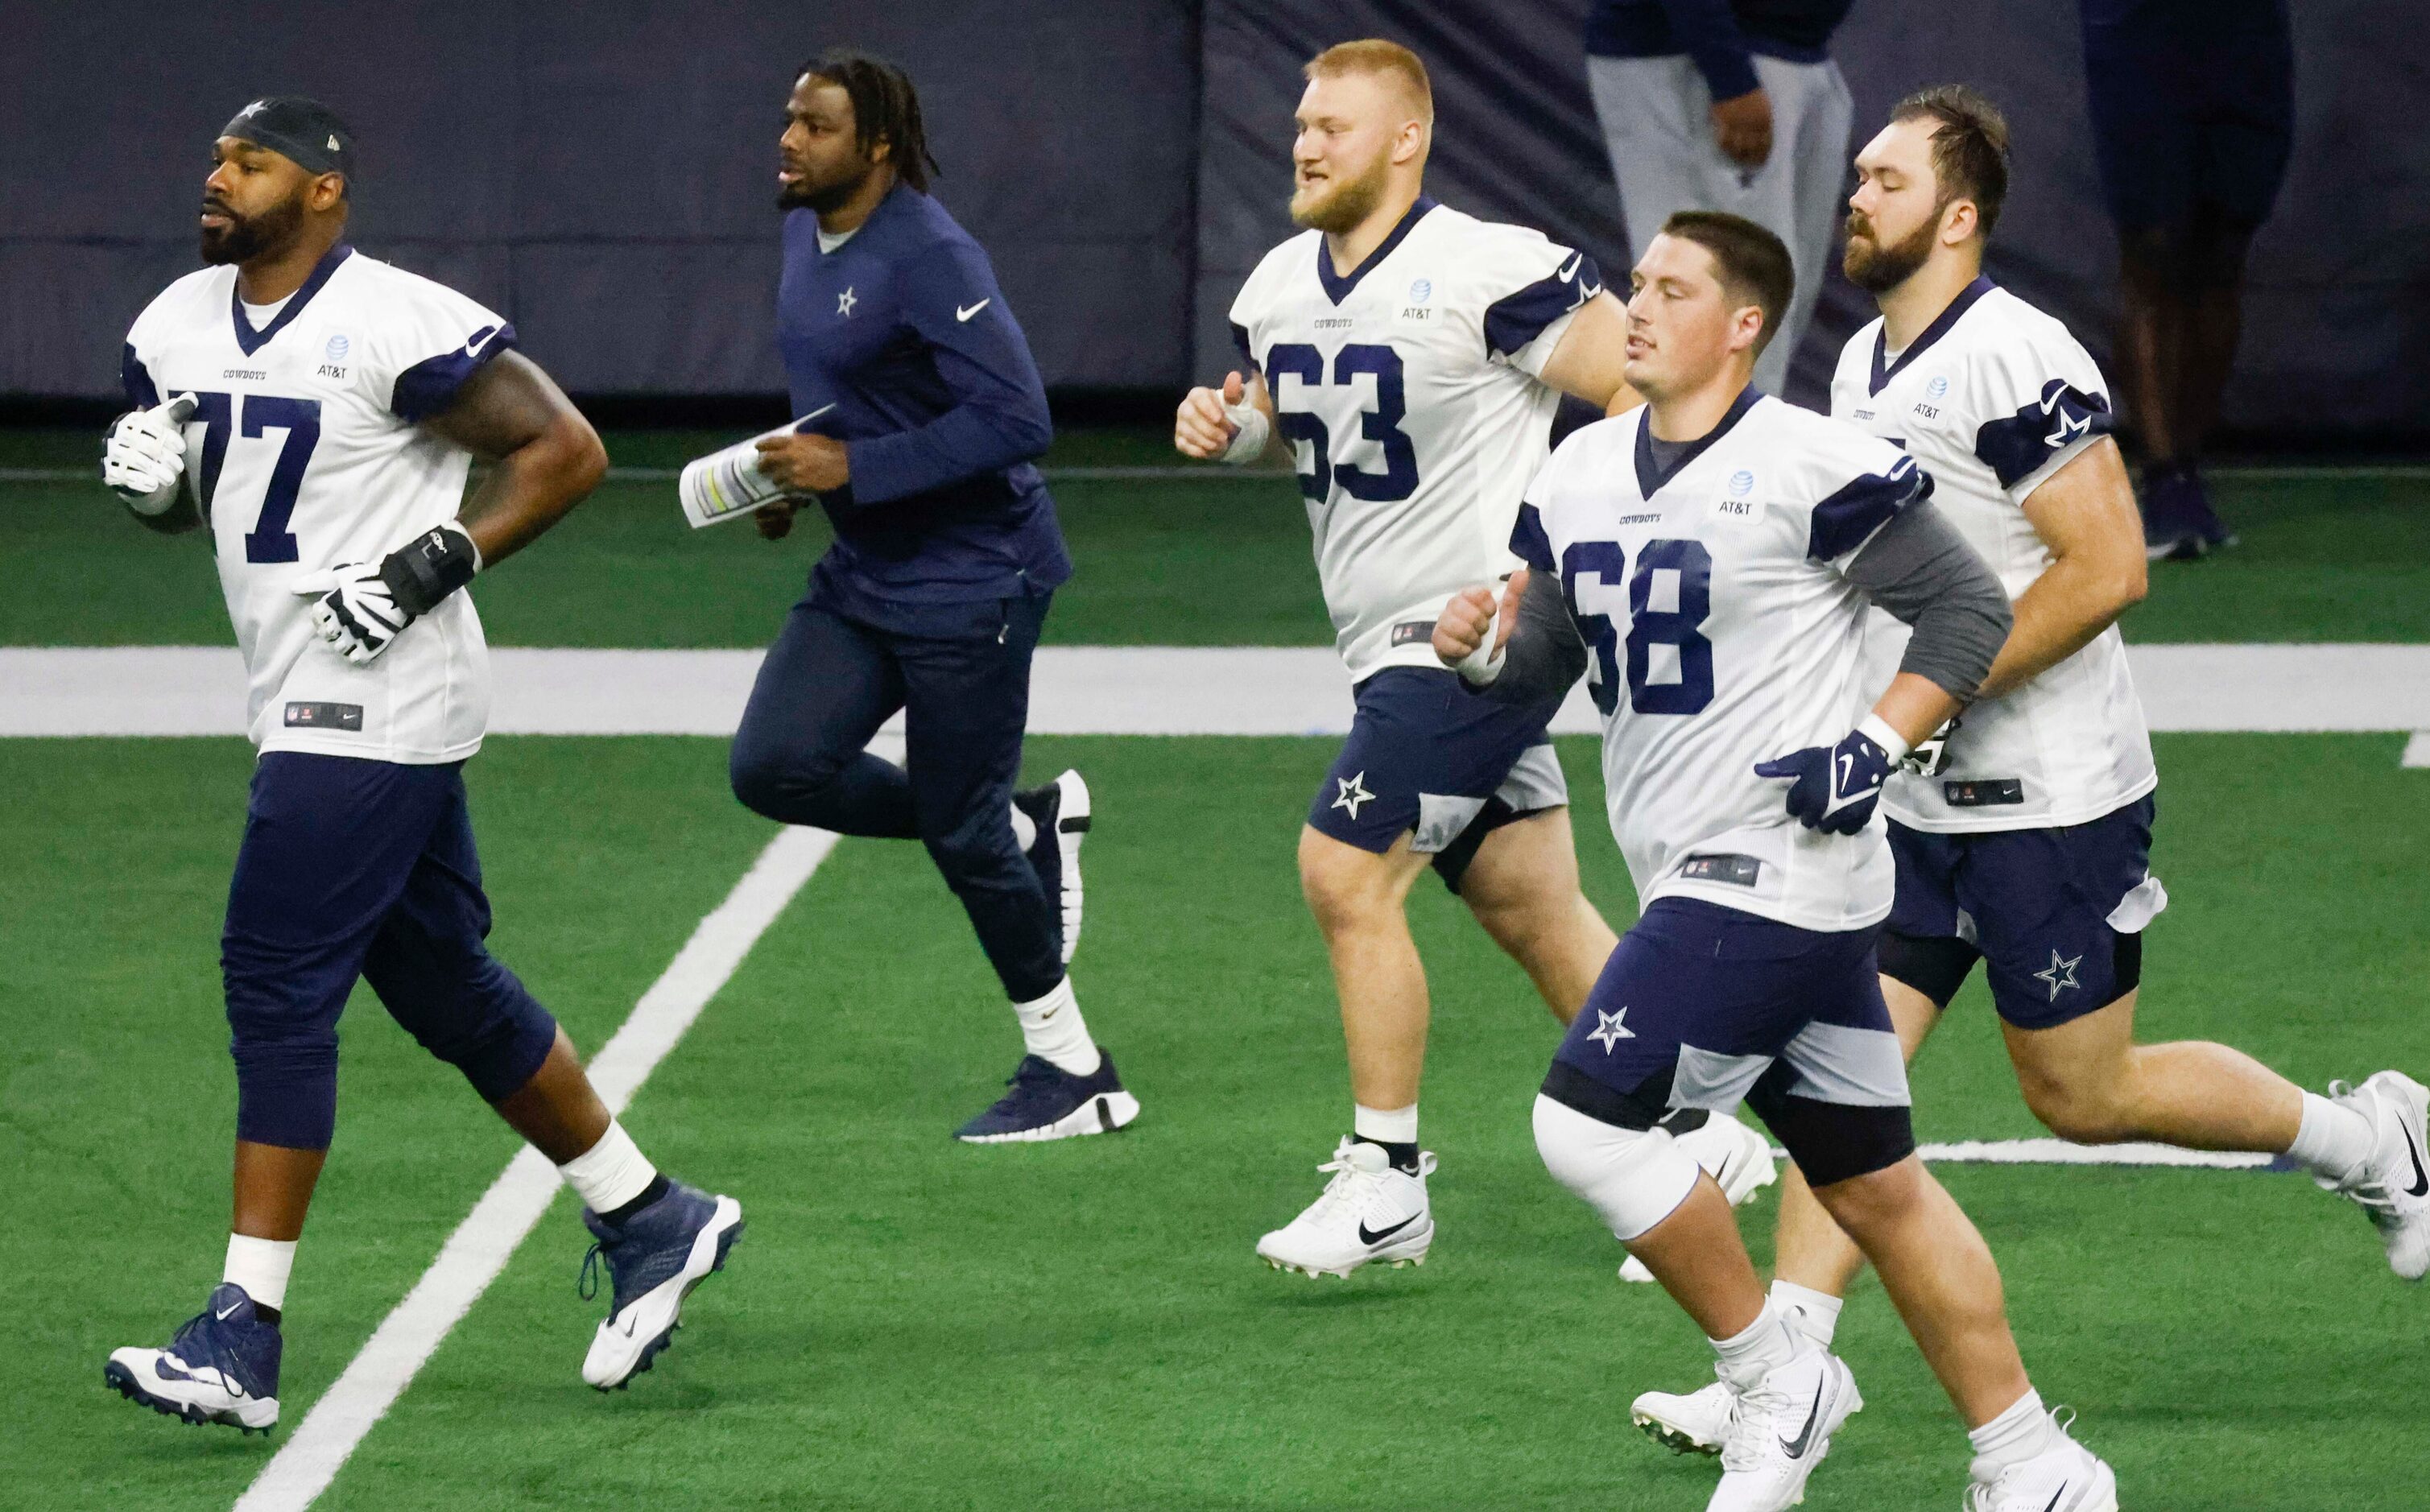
<point>1707,562</point>
<point>2027,846</point>
<point>1408,360</point>
<point>319,410</point>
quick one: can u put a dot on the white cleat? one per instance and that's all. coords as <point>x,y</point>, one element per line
<point>2064,1477</point>
<point>1697,1423</point>
<point>1781,1430</point>
<point>1736,1156</point>
<point>2393,1186</point>
<point>654,1261</point>
<point>1369,1211</point>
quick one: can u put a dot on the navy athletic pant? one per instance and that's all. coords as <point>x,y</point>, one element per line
<point>962,683</point>
<point>362,868</point>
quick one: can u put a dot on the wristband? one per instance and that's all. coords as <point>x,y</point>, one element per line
<point>1249,439</point>
<point>1479,668</point>
<point>430,566</point>
<point>1876,729</point>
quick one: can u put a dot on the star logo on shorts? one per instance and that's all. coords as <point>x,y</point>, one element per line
<point>844,303</point>
<point>2060,974</point>
<point>1354,792</point>
<point>1610,1030</point>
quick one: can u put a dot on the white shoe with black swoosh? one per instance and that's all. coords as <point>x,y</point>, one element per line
<point>2064,1477</point>
<point>1781,1431</point>
<point>2393,1186</point>
<point>1369,1211</point>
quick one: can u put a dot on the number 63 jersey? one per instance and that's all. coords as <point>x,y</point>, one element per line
<point>1720,632</point>
<point>1409,394</point>
<point>305,452</point>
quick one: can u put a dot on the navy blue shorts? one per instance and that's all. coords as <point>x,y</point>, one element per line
<point>1428,758</point>
<point>1703,1007</point>
<point>2057,914</point>
<point>352,868</point>
<point>2192,106</point>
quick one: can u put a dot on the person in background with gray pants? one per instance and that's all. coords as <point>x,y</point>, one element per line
<point>1727,105</point>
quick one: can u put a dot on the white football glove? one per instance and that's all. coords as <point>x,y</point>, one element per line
<point>145,455</point>
<point>358,613</point>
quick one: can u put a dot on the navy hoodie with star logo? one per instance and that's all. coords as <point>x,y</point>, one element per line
<point>903,331</point>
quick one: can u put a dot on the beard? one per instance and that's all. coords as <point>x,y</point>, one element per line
<point>248,236</point>
<point>1351,202</point>
<point>1877,269</point>
<point>824,199</point>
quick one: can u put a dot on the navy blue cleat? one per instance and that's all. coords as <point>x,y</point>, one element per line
<point>2179,524</point>
<point>1060,811</point>
<point>221,1367</point>
<point>1045,1102</point>
<point>654,1259</point>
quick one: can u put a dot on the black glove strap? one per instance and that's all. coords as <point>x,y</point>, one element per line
<point>428,568</point>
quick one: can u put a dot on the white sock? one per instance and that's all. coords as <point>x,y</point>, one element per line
<point>1397,1125</point>
<point>1765,1346</point>
<point>1814,1314</point>
<point>2017,1434</point>
<point>260,1267</point>
<point>2333,1141</point>
<point>612,1173</point>
<point>1024,829</point>
<point>1053,1030</point>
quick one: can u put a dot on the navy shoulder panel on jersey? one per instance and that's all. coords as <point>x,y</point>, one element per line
<point>1528,542</point>
<point>1518,318</point>
<point>136,381</point>
<point>430,385</point>
<point>1843,521</point>
<point>2017,446</point>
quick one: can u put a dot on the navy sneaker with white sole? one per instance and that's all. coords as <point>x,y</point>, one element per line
<point>1045,1102</point>
<point>654,1259</point>
<point>1060,811</point>
<point>221,1367</point>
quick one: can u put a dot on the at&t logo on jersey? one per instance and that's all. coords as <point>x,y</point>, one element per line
<point>336,353</point>
<point>1422,293</point>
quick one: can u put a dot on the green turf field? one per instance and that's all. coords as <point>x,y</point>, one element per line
<point>914,1323</point>
<point>2325,557</point>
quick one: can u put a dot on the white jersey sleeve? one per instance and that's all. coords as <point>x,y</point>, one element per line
<point>304,453</point>
<point>1994,399</point>
<point>1407,393</point>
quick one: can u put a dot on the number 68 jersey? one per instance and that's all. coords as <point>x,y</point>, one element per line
<point>305,452</point>
<point>1407,393</point>
<point>1720,632</point>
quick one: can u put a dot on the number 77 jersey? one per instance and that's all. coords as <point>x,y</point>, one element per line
<point>1720,633</point>
<point>305,451</point>
<point>1409,393</point>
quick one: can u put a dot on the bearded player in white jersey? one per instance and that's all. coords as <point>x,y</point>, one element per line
<point>319,410</point>
<point>2026,846</point>
<point>1408,360</point>
<point>1709,561</point>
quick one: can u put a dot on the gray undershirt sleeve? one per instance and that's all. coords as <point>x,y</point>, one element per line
<point>1545,656</point>
<point>1921,569</point>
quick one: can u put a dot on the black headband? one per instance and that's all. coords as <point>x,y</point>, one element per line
<point>305,130</point>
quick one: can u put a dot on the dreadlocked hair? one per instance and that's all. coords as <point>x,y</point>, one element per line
<point>885,108</point>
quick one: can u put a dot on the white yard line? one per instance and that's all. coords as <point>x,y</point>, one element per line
<point>479,1248</point>
<point>2416,750</point>
<point>150,690</point>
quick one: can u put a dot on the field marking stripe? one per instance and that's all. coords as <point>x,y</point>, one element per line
<point>481,1245</point>
<point>2416,750</point>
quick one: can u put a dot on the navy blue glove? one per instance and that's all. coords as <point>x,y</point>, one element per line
<point>1835,789</point>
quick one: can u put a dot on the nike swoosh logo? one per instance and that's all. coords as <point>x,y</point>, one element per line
<point>1796,1448</point>
<point>234,1306</point>
<point>1368,1235</point>
<point>961,314</point>
<point>2055,1496</point>
<point>1570,269</point>
<point>478,340</point>
<point>2420,1186</point>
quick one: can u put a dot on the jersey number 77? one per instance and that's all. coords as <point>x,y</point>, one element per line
<point>220,414</point>
<point>1591,571</point>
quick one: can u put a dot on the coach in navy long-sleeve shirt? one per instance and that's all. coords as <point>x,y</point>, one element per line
<point>902,329</point>
<point>921,416</point>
